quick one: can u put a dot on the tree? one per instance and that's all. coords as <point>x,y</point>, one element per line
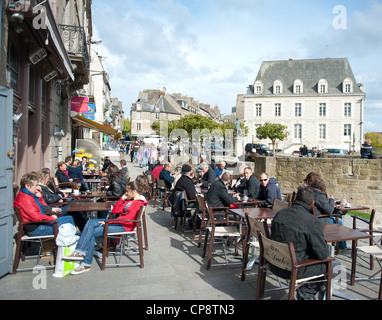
<point>376,139</point>
<point>272,131</point>
<point>191,122</point>
<point>126,126</point>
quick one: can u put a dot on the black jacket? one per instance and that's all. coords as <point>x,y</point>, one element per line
<point>252,185</point>
<point>323,205</point>
<point>49,195</point>
<point>185,183</point>
<point>298,225</point>
<point>208,178</point>
<point>217,195</point>
<point>117,187</point>
<point>61,176</point>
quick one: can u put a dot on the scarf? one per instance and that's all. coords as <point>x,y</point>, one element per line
<point>26,191</point>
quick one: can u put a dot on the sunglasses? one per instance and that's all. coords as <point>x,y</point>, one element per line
<point>263,180</point>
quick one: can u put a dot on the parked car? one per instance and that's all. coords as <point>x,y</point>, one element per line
<point>261,149</point>
<point>336,152</point>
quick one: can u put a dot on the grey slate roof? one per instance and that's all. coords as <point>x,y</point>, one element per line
<point>310,71</point>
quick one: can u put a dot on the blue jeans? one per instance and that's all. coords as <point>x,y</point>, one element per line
<point>93,229</point>
<point>47,229</point>
<point>342,244</point>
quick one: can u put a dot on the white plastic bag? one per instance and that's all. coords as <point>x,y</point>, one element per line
<point>66,241</point>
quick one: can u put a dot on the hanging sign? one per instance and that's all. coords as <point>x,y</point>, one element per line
<point>79,104</point>
<point>91,112</point>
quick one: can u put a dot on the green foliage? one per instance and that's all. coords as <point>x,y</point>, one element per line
<point>191,122</point>
<point>376,139</point>
<point>272,131</point>
<point>126,125</point>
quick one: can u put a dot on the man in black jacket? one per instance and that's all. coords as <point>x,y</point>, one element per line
<point>209,176</point>
<point>298,225</point>
<point>250,183</point>
<point>218,196</point>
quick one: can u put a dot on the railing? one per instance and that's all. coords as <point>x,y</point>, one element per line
<point>74,38</point>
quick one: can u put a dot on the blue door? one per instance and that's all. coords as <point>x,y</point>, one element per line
<point>6,171</point>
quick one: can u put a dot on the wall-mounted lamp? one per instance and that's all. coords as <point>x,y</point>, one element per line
<point>58,133</point>
<point>51,75</point>
<point>16,118</point>
<point>37,56</point>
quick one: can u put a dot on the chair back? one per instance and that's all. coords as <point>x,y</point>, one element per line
<point>279,204</point>
<point>160,183</point>
<point>277,253</point>
<point>376,219</point>
<point>18,215</point>
<point>201,203</point>
<point>255,226</point>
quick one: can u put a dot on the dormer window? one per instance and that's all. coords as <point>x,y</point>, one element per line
<point>277,87</point>
<point>298,87</point>
<point>323,86</point>
<point>259,87</point>
<point>347,86</point>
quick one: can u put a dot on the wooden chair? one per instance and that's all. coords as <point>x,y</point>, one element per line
<point>282,255</point>
<point>66,187</point>
<point>202,216</point>
<point>122,236</point>
<point>374,228</point>
<point>161,187</point>
<point>225,229</point>
<point>251,241</point>
<point>279,204</point>
<point>185,212</point>
<point>22,239</point>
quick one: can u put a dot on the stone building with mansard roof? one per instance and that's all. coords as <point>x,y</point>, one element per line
<point>319,100</point>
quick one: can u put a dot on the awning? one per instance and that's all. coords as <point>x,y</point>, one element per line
<point>86,123</point>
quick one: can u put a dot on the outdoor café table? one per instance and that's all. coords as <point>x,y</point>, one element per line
<point>337,233</point>
<point>250,201</point>
<point>352,207</point>
<point>88,195</point>
<point>89,206</point>
<point>254,213</point>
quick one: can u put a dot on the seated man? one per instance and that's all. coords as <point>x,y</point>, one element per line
<point>249,183</point>
<point>156,171</point>
<point>218,196</point>
<point>269,190</point>
<point>296,224</point>
<point>32,209</point>
<point>165,175</point>
<point>220,168</point>
<point>209,176</point>
<point>185,183</point>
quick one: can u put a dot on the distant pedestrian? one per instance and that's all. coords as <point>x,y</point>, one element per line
<point>367,150</point>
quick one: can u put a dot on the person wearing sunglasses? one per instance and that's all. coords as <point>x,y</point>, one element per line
<point>269,190</point>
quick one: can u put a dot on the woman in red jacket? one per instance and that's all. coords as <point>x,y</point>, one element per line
<point>32,208</point>
<point>127,207</point>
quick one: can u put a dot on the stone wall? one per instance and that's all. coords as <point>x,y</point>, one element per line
<point>357,179</point>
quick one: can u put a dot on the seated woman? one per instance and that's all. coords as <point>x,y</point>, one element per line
<point>127,208</point>
<point>117,181</point>
<point>75,172</point>
<point>32,209</point>
<point>62,173</point>
<point>49,196</point>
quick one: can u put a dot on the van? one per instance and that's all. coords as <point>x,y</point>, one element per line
<point>261,149</point>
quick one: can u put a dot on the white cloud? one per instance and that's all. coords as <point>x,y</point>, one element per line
<point>212,49</point>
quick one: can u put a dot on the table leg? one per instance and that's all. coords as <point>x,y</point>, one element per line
<point>353,262</point>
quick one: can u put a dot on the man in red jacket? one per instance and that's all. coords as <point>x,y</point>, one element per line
<point>31,207</point>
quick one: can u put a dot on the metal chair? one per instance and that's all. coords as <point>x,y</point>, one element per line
<point>279,204</point>
<point>22,239</point>
<point>253,227</point>
<point>225,229</point>
<point>161,187</point>
<point>123,237</point>
<point>283,256</point>
<point>374,228</point>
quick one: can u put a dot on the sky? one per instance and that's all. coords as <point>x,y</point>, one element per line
<point>212,49</point>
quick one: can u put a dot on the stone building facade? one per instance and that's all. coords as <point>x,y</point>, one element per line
<point>319,100</point>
